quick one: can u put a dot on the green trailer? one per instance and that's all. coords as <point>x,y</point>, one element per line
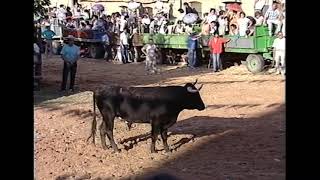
<point>258,47</point>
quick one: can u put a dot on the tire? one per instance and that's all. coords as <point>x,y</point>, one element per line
<point>96,51</point>
<point>255,63</point>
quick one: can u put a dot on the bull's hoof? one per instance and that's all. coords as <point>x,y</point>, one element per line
<point>115,151</point>
<point>167,150</point>
<point>104,147</point>
<point>92,142</point>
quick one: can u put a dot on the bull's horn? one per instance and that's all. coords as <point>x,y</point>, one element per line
<point>195,82</point>
<point>189,89</point>
<point>200,87</point>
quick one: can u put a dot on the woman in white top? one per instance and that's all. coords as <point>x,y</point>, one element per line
<point>243,24</point>
<point>259,18</point>
<point>179,29</point>
<point>163,27</point>
<point>223,23</point>
<point>180,16</point>
<point>212,15</point>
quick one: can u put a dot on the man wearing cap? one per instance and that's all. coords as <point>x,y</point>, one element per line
<point>70,54</point>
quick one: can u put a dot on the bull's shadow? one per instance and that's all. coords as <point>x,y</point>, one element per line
<point>194,127</point>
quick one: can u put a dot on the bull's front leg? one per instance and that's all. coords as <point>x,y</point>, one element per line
<point>164,136</point>
<point>154,135</point>
<point>108,121</point>
<point>109,131</point>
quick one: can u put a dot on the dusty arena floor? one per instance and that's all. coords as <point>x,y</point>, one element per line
<point>239,136</point>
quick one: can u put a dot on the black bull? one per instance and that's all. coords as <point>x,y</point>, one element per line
<point>159,106</point>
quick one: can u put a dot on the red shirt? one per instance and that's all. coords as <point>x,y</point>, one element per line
<point>215,44</point>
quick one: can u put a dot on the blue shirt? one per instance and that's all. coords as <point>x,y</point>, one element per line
<point>192,43</point>
<point>70,53</point>
<point>105,39</point>
<point>48,34</point>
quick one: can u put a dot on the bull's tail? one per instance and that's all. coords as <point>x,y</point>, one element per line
<point>94,122</point>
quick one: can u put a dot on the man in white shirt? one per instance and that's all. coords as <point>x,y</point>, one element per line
<point>61,13</point>
<point>123,23</point>
<point>272,17</point>
<point>124,46</point>
<point>212,16</point>
<point>145,22</point>
<point>279,53</point>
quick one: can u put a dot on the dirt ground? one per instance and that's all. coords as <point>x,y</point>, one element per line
<point>239,136</point>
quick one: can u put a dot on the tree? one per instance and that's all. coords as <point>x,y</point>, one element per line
<point>39,7</point>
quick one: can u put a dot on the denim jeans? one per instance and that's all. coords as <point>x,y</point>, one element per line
<point>216,61</point>
<point>192,57</point>
<point>125,54</point>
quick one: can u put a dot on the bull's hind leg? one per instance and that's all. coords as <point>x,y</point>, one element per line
<point>103,133</point>
<point>164,137</point>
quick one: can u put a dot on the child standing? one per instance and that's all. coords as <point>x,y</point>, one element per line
<point>150,50</point>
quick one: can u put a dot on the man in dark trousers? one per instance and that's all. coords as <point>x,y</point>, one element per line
<point>70,54</point>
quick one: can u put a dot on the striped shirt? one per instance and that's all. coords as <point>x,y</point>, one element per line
<point>272,14</point>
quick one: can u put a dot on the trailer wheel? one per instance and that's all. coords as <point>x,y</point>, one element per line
<point>96,51</point>
<point>255,63</point>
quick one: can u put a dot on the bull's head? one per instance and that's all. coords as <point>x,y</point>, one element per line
<point>193,100</point>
